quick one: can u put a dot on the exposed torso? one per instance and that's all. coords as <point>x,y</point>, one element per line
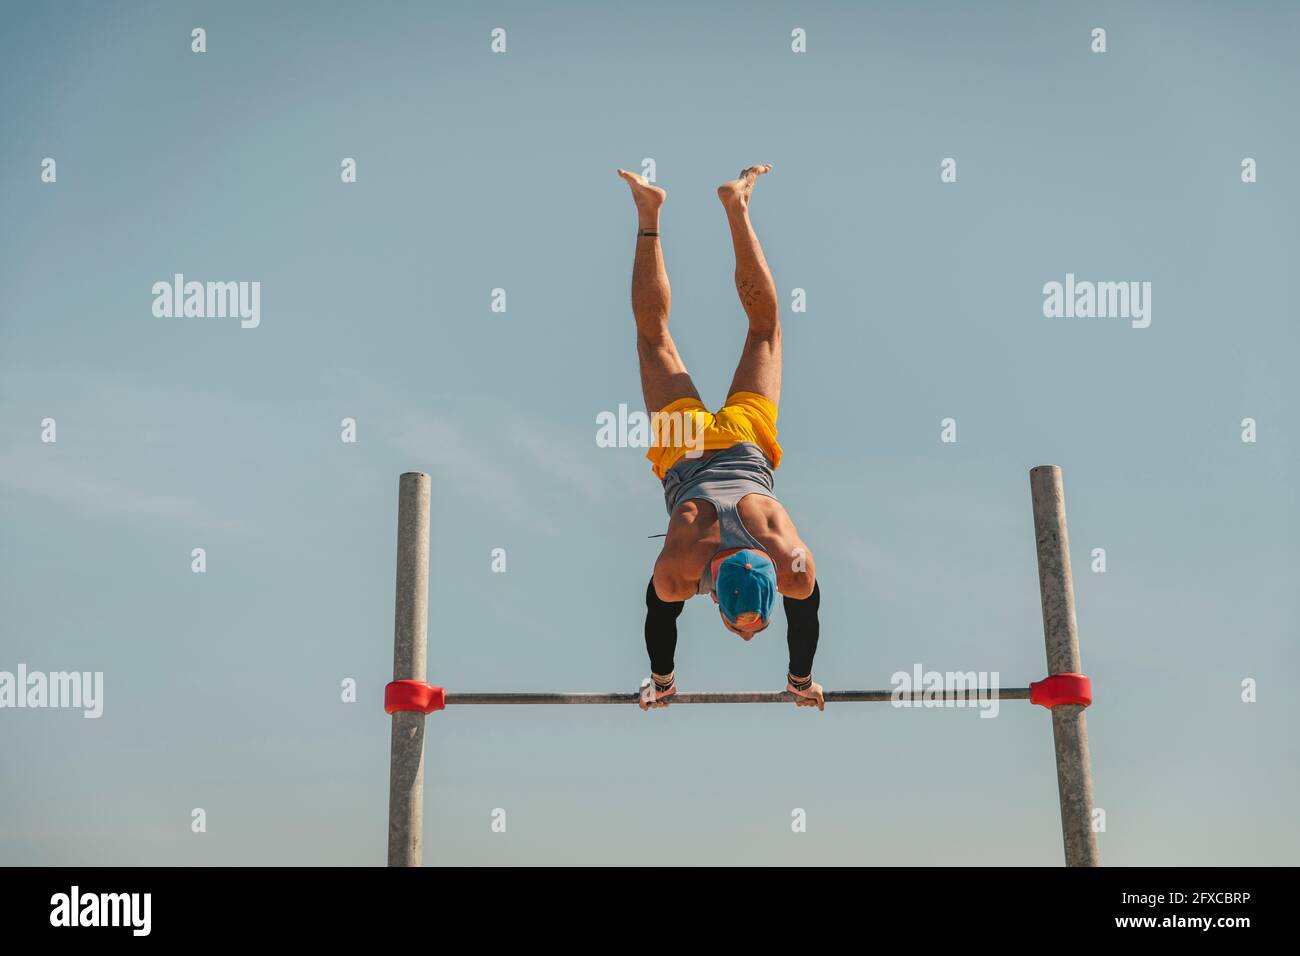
<point>696,531</point>
<point>694,534</point>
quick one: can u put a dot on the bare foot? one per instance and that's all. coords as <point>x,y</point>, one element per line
<point>735,194</point>
<point>647,196</point>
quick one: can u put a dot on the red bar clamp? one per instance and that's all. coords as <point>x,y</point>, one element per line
<point>413,695</point>
<point>1061,689</point>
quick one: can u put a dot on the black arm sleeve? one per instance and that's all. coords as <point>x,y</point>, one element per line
<point>661,630</point>
<point>802,630</point>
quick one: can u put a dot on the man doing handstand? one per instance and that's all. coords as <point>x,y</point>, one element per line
<point>727,536</point>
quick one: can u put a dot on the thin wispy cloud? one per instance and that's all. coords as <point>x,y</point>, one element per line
<point>72,485</point>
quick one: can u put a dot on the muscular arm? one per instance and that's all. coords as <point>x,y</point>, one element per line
<point>796,572</point>
<point>691,539</point>
<point>797,578</point>
<point>672,580</point>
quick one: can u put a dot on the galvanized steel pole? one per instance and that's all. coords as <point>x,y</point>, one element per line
<point>1061,633</point>
<point>410,646</point>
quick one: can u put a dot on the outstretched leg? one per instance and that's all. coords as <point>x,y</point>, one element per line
<point>664,378</point>
<point>760,360</point>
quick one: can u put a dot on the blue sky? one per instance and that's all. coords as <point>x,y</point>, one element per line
<point>479,171</point>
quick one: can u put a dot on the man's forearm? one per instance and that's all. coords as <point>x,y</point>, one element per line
<point>661,631</point>
<point>802,630</point>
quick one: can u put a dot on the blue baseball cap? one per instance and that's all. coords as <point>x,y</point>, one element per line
<point>745,582</point>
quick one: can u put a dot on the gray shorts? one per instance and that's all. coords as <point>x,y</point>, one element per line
<point>723,478</point>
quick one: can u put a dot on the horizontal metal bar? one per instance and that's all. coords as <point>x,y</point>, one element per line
<point>738,697</point>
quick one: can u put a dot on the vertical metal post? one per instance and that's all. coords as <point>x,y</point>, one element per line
<point>1061,632</point>
<point>410,647</point>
